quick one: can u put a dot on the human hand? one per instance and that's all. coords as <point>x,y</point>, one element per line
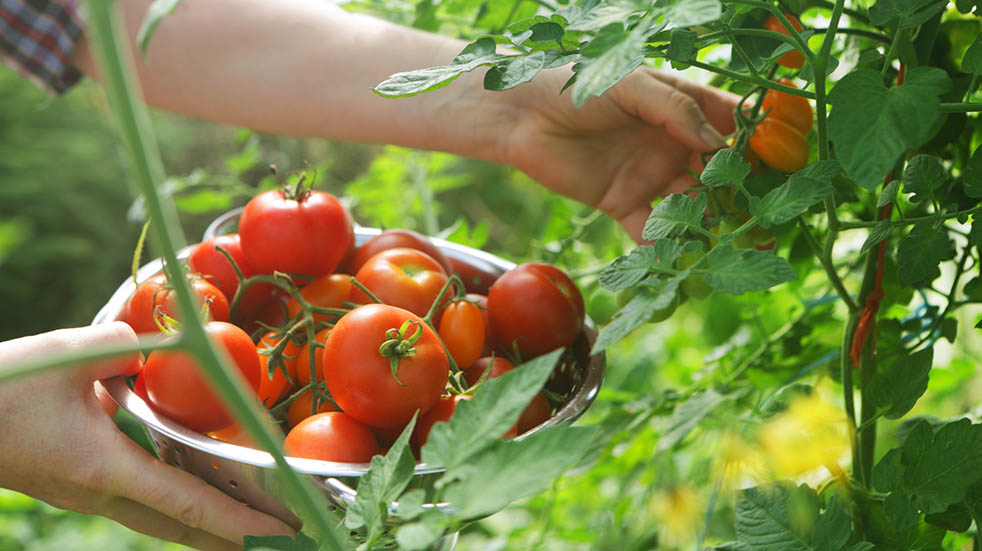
<point>60,446</point>
<point>622,150</point>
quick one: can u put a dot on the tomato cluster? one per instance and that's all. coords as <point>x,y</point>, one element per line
<point>344,344</point>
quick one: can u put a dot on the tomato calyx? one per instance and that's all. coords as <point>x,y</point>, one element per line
<point>400,344</point>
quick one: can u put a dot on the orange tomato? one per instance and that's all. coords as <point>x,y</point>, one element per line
<point>779,145</point>
<point>794,110</point>
<point>793,59</point>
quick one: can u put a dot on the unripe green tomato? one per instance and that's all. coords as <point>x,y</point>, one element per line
<point>695,285</point>
<point>601,306</point>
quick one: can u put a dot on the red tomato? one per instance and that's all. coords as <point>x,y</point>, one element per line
<point>207,260</point>
<point>476,280</point>
<point>332,436</point>
<point>140,310</point>
<point>395,239</point>
<point>140,387</point>
<point>794,110</point>
<point>178,389</point>
<point>308,235</point>
<point>537,412</point>
<point>537,307</point>
<point>303,359</point>
<point>441,413</point>
<point>271,314</point>
<point>301,407</point>
<point>274,388</point>
<point>779,145</point>
<point>473,372</point>
<point>361,379</point>
<point>401,277</point>
<point>462,330</point>
<point>327,292</point>
<point>793,59</point>
<point>482,304</point>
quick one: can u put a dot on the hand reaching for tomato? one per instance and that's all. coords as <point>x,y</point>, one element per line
<point>60,446</point>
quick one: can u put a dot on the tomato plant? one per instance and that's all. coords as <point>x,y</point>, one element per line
<point>535,307</point>
<point>327,292</point>
<point>177,388</point>
<point>301,232</point>
<point>793,110</point>
<point>384,386</point>
<point>793,59</point>
<point>276,384</point>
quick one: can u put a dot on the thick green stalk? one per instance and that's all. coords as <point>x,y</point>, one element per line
<point>134,125</point>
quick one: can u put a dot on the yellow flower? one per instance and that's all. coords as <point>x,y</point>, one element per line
<point>809,435</point>
<point>678,512</point>
<point>737,462</point>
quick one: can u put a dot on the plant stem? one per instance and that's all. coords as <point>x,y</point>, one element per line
<point>770,85</point>
<point>780,16</point>
<point>855,14</point>
<point>909,221</point>
<point>897,38</point>
<point>134,125</point>
<point>845,367</point>
<point>951,302</point>
<point>829,268</point>
<point>857,32</point>
<point>967,107</point>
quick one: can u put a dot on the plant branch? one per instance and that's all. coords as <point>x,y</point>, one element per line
<point>829,268</point>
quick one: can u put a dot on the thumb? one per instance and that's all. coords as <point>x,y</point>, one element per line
<point>107,335</point>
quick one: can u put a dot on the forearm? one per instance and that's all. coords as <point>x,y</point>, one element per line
<point>305,68</point>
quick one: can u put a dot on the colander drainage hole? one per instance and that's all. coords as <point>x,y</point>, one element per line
<point>233,483</point>
<point>178,449</point>
<point>177,461</point>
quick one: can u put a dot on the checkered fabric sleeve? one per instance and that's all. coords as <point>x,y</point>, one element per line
<point>37,38</point>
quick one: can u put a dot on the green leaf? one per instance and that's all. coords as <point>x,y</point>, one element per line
<point>203,201</point>
<point>280,543</point>
<point>648,300</point>
<point>627,271</point>
<point>940,466</point>
<point>725,168</point>
<point>410,83</point>
<point>606,59</point>
<point>421,535</point>
<point>777,517</point>
<point>966,6</point>
<point>513,469</point>
<point>689,414</point>
<point>674,214</point>
<point>920,253</point>
<point>833,528</point>
<point>477,423</point>
<point>802,190</point>
<point>385,479</point>
<point>603,14</point>
<point>877,234</point>
<point>514,70</point>
<point>908,13</point>
<point>973,175</point>
<point>411,504</point>
<point>975,234</point>
<point>688,13</point>
<point>924,174</point>
<point>683,44</point>
<point>156,13</point>
<point>899,386</point>
<point>972,62</point>
<point>888,474</point>
<point>547,31</point>
<point>889,194</point>
<point>872,125</point>
<point>738,271</point>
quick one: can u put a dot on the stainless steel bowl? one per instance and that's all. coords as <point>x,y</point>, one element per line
<point>251,476</point>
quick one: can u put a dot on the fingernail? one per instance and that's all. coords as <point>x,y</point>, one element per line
<point>711,136</point>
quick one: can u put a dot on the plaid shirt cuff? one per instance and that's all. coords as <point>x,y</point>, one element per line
<point>37,38</point>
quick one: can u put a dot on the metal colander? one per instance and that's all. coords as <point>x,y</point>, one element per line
<point>251,476</point>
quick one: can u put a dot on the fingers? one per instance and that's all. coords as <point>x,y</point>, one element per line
<point>716,104</point>
<point>186,499</point>
<point>660,103</point>
<point>145,520</point>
